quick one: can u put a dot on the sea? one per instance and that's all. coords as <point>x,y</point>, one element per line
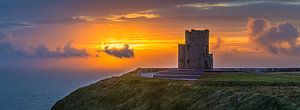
<point>39,90</point>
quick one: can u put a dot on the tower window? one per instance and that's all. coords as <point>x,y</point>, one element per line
<point>188,61</point>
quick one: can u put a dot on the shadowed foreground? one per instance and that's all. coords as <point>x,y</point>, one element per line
<point>210,92</point>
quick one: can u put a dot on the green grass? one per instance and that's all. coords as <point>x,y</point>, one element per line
<point>248,77</point>
<point>211,92</point>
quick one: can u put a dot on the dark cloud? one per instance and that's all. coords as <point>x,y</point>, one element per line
<point>124,52</point>
<point>57,20</point>
<point>277,39</point>
<point>11,47</point>
<point>62,11</point>
<point>141,15</point>
<point>27,10</point>
<point>205,5</point>
<point>10,25</point>
<point>234,11</point>
<point>70,51</point>
<point>67,51</point>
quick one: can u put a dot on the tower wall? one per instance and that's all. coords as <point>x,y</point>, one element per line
<point>197,50</point>
<point>181,56</point>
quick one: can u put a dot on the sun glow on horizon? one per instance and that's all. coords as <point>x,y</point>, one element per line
<point>151,43</point>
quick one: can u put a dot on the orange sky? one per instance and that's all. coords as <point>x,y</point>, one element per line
<point>154,46</point>
<point>151,29</point>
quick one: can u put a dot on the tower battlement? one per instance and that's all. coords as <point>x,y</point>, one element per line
<point>194,54</point>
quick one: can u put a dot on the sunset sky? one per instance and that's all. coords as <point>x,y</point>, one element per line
<point>120,35</point>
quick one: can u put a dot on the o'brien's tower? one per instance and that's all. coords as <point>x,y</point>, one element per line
<point>194,54</point>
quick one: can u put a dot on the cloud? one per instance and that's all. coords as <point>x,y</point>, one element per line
<point>68,51</point>
<point>277,39</point>
<point>87,18</point>
<point>226,4</point>
<point>12,25</point>
<point>124,52</point>
<point>12,47</point>
<point>209,5</point>
<point>147,14</point>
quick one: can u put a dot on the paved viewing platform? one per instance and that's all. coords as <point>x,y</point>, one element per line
<point>194,74</point>
<point>172,74</point>
<point>179,74</point>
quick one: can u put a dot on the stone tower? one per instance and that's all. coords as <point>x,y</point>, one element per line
<point>194,54</point>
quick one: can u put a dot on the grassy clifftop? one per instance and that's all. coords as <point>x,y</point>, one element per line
<point>210,92</point>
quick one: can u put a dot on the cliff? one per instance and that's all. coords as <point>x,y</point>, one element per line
<point>210,92</point>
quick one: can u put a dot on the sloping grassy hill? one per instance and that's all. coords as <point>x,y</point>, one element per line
<point>211,92</point>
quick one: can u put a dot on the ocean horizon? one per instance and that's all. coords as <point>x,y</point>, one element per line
<point>39,90</point>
